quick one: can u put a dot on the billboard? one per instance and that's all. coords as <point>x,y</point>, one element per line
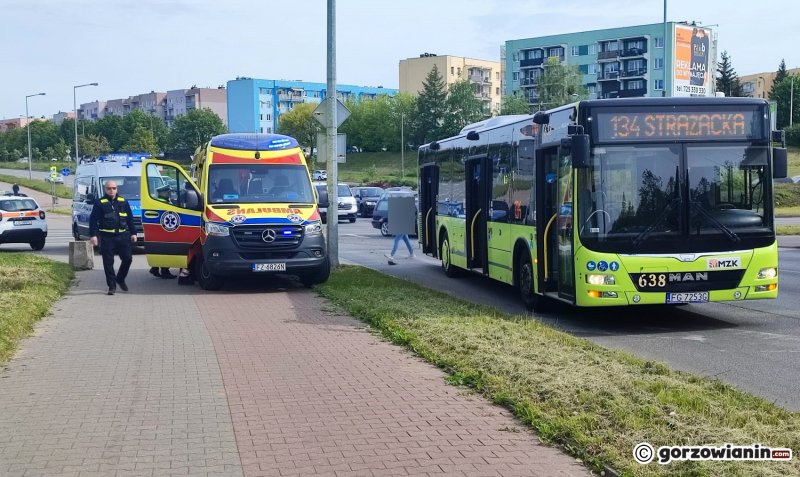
<point>692,68</point>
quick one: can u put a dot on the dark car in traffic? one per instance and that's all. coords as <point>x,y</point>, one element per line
<point>380,216</point>
<point>366,198</point>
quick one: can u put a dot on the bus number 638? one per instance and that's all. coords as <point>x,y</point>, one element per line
<point>652,280</point>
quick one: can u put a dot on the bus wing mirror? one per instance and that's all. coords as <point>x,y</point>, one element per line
<point>780,163</point>
<point>578,148</point>
<point>566,147</point>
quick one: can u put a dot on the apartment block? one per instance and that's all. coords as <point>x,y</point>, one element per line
<point>179,101</point>
<point>484,75</point>
<point>59,117</point>
<point>13,123</point>
<point>626,62</point>
<point>92,111</point>
<point>254,105</point>
<point>759,85</point>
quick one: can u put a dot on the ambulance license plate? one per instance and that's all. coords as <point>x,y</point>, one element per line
<point>269,267</point>
<point>23,222</point>
<point>694,297</point>
<point>140,236</point>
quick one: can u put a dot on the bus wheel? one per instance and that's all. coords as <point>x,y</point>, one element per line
<point>533,302</point>
<point>319,276</point>
<point>205,278</point>
<point>449,269</point>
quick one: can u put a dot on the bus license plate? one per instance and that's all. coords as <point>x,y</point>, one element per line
<point>23,222</point>
<point>696,297</point>
<point>269,267</point>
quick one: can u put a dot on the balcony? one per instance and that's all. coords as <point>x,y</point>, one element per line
<point>633,93</point>
<point>608,95</point>
<point>190,103</point>
<point>633,52</point>
<point>607,75</point>
<point>531,63</point>
<point>290,97</point>
<point>528,82</point>
<point>608,55</point>
<point>479,79</point>
<point>634,72</point>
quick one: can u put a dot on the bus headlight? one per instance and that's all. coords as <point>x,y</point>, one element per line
<point>313,229</point>
<point>600,279</point>
<point>217,229</point>
<point>767,273</point>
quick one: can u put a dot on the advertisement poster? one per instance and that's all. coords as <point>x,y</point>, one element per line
<point>692,49</point>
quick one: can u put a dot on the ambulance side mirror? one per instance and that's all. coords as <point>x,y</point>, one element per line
<point>192,199</point>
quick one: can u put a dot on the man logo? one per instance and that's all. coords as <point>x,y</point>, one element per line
<point>170,221</point>
<point>268,236</point>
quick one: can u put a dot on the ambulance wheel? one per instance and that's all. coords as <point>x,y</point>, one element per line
<point>319,276</point>
<point>206,279</point>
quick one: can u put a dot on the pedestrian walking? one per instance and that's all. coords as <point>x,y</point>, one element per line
<point>163,196</point>
<point>111,224</point>
<point>397,239</point>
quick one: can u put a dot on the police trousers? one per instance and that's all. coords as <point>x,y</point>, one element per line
<point>116,244</point>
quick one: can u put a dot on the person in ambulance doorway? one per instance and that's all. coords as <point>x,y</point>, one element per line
<point>112,221</point>
<point>163,196</point>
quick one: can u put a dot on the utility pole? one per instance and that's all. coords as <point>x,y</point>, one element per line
<point>664,91</point>
<point>791,103</point>
<point>331,130</point>
<point>402,149</point>
<point>28,119</point>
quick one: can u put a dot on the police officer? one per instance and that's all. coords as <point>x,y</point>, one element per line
<point>112,220</point>
<point>163,196</point>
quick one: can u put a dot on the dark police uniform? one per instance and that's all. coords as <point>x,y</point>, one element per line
<point>112,222</point>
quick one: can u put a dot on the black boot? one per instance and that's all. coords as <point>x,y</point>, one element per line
<point>165,273</point>
<point>154,272</point>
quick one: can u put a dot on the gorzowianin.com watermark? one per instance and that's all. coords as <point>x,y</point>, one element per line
<point>644,453</point>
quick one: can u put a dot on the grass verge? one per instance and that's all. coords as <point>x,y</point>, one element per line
<point>594,402</point>
<point>61,190</point>
<point>59,210</point>
<point>29,284</point>
<point>388,167</point>
<point>787,229</point>
<point>787,211</point>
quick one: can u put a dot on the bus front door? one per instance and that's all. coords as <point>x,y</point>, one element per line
<point>478,172</point>
<point>429,190</point>
<point>547,218</point>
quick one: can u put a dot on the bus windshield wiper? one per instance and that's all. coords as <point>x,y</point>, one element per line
<point>725,230</point>
<point>646,232</point>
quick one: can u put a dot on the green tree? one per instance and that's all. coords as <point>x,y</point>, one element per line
<point>431,107</point>
<point>462,108</point>
<point>108,127</point>
<point>300,124</point>
<point>782,94</point>
<point>780,75</point>
<point>56,151</point>
<point>404,108</point>
<point>560,84</point>
<point>142,140</point>
<point>44,134</point>
<point>138,118</point>
<point>514,104</point>
<point>194,129</point>
<point>727,79</point>
<point>93,145</point>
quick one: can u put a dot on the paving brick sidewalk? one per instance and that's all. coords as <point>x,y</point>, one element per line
<point>169,380</point>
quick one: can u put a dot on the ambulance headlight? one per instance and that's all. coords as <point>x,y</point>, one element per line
<point>313,229</point>
<point>217,229</point>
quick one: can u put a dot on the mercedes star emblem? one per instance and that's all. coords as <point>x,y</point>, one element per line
<point>268,236</point>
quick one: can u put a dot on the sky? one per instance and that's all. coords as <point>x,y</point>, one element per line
<point>131,47</point>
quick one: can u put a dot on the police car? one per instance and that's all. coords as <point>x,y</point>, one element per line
<point>22,221</point>
<point>126,170</point>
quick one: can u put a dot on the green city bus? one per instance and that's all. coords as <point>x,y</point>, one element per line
<point>610,202</point>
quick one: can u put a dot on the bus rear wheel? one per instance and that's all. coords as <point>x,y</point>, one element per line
<point>525,277</point>
<point>447,263</point>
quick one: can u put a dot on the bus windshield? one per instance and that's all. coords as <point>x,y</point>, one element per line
<point>635,195</point>
<point>259,183</point>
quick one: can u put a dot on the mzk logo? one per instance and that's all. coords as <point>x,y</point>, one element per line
<point>728,262</point>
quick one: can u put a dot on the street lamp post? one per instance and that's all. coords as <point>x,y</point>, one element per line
<point>75,105</point>
<point>791,103</point>
<point>402,149</point>
<point>28,119</point>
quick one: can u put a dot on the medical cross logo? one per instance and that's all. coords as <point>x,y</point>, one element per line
<point>170,221</point>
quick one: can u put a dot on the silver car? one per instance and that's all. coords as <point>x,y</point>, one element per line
<point>58,179</point>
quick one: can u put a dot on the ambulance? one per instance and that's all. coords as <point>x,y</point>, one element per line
<point>248,209</point>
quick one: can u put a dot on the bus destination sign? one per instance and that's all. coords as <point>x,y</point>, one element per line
<point>638,126</point>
